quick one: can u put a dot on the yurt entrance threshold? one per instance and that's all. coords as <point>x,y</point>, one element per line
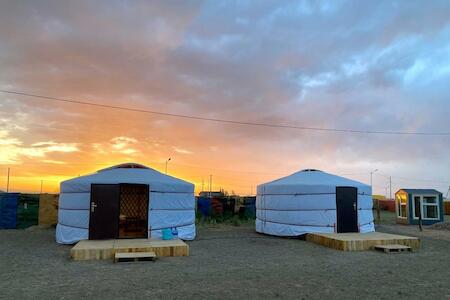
<point>347,209</point>
<point>118,211</point>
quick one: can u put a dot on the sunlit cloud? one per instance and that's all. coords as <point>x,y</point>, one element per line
<point>8,141</point>
<point>121,142</point>
<point>182,151</point>
<point>12,149</point>
<point>56,162</point>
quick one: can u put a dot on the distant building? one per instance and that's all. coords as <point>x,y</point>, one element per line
<point>410,204</point>
<point>378,197</point>
<point>211,194</point>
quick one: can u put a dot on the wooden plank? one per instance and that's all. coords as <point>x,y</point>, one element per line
<point>160,247</point>
<point>392,248</point>
<point>134,256</point>
<point>360,241</point>
<point>106,249</point>
<point>92,250</point>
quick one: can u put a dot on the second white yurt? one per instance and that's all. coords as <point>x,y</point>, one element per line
<point>313,201</point>
<point>125,201</point>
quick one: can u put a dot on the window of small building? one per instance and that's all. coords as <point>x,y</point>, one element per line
<point>401,205</point>
<point>430,207</point>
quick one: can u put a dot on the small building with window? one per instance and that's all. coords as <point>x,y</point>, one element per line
<point>410,204</point>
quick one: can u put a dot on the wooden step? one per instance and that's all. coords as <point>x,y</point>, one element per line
<point>393,248</point>
<point>134,256</point>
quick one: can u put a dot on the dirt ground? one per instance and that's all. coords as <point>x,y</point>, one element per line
<point>226,262</point>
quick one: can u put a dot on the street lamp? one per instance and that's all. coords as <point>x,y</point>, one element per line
<point>371,175</point>
<point>167,161</point>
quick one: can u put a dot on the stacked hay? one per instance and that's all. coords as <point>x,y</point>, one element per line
<point>48,209</point>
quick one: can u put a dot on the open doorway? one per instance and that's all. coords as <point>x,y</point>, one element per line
<point>118,211</point>
<point>133,212</point>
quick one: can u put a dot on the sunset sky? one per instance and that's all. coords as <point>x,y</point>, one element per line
<point>362,65</point>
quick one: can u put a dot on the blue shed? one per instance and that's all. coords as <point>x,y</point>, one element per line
<point>8,210</point>
<point>410,204</point>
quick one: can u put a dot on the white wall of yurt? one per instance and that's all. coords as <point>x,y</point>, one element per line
<point>171,202</point>
<point>305,202</point>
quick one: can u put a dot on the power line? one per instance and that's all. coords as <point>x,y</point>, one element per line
<point>224,120</point>
<point>213,169</point>
<point>413,179</point>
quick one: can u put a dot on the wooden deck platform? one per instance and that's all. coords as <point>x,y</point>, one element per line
<point>106,249</point>
<point>361,241</point>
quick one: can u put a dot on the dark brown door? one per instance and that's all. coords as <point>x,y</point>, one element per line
<point>104,216</point>
<point>347,209</point>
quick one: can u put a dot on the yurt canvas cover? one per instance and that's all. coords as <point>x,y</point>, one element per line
<point>313,201</point>
<point>93,206</point>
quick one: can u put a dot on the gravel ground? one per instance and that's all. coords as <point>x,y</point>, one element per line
<point>225,262</point>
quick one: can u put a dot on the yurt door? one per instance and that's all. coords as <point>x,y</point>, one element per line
<point>104,215</point>
<point>133,216</point>
<point>347,209</point>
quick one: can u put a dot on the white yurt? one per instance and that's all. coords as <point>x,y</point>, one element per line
<point>313,201</point>
<point>125,201</point>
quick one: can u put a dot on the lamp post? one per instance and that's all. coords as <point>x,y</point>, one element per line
<point>378,200</point>
<point>167,161</point>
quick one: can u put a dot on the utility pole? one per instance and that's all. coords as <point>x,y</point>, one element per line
<point>378,200</point>
<point>41,186</point>
<point>210,185</point>
<point>203,183</point>
<point>390,187</point>
<point>7,182</point>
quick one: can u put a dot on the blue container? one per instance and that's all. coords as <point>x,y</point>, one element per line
<point>174,232</point>
<point>204,206</point>
<point>8,210</point>
<point>167,234</point>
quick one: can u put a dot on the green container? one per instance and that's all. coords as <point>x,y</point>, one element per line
<point>27,210</point>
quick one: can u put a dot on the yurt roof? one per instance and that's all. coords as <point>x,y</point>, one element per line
<point>128,173</point>
<point>310,181</point>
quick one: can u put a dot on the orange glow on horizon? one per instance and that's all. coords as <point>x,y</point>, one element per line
<point>244,184</point>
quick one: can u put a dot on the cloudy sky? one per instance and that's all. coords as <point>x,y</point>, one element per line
<point>363,65</point>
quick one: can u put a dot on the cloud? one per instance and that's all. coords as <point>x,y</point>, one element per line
<point>363,65</point>
<point>182,151</point>
<point>120,142</point>
<point>8,141</point>
<point>56,162</point>
<point>13,150</point>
